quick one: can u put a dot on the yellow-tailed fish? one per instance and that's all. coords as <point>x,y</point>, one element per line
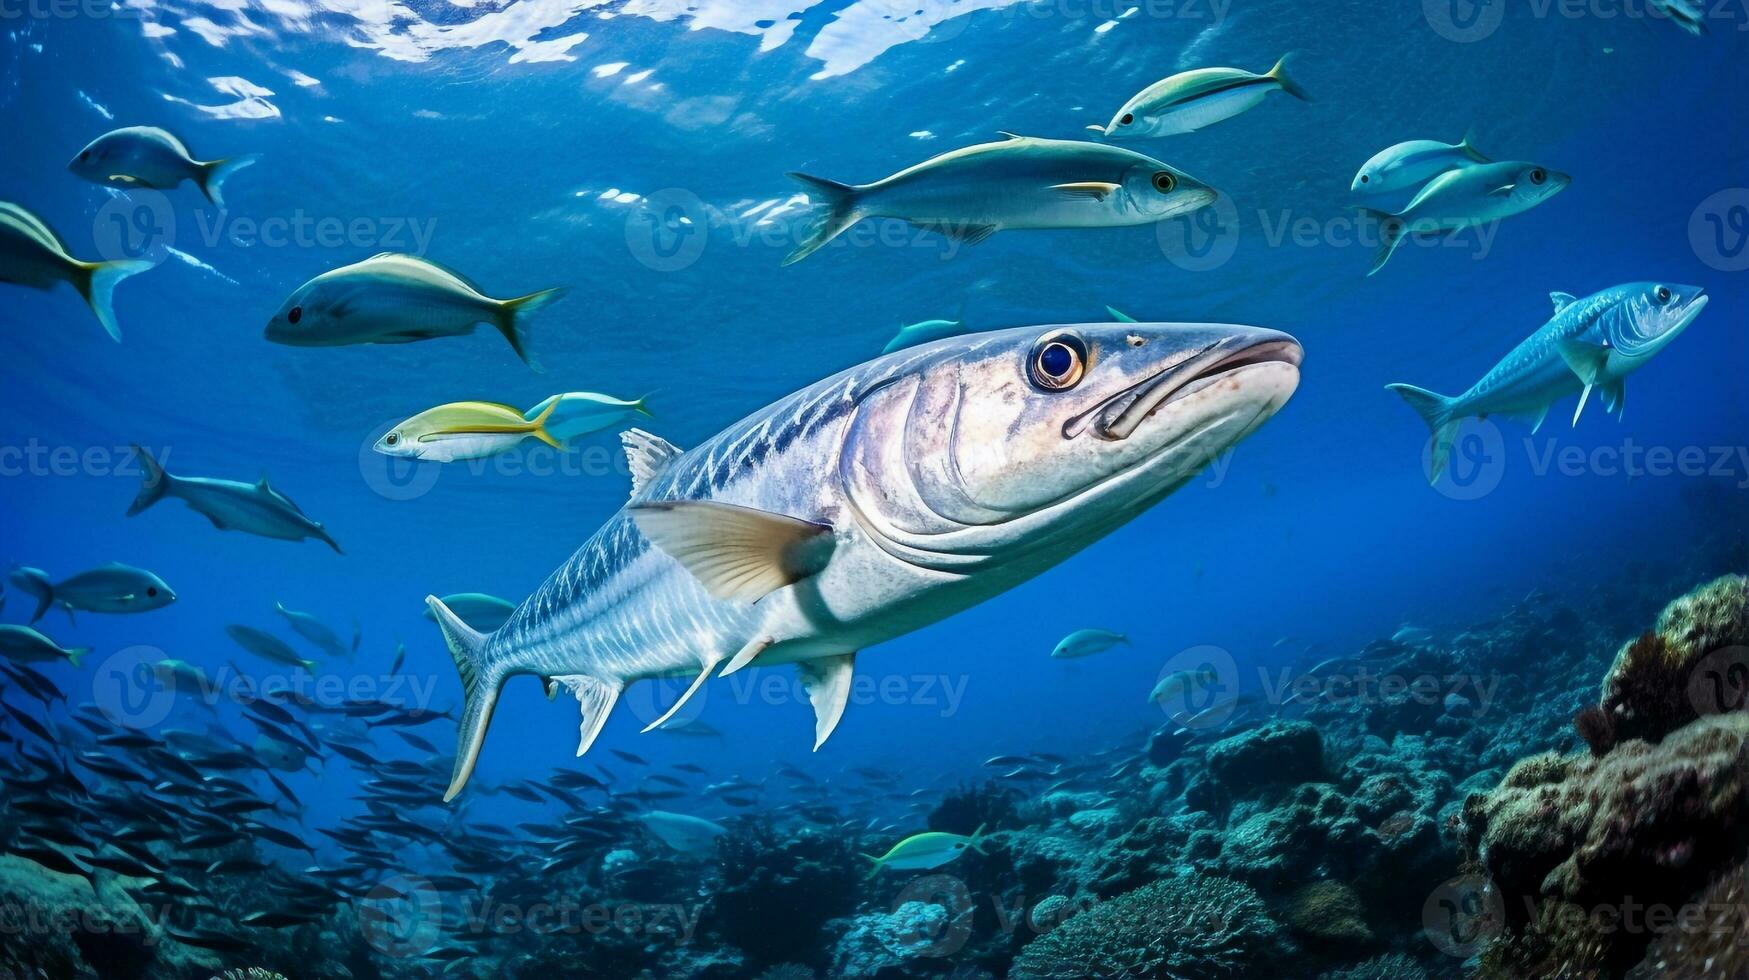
<point>31,255</point>
<point>465,430</point>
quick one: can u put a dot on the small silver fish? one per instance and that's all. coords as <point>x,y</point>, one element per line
<point>149,157</point>
<point>255,508</point>
<point>392,298</point>
<point>1191,100</point>
<point>971,193</point>
<point>111,588</point>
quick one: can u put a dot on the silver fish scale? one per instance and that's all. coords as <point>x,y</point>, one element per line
<point>616,608</point>
<point>1536,350</point>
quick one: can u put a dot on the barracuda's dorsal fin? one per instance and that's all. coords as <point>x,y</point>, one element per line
<point>647,455</point>
<point>1562,300</point>
<point>737,553</point>
<point>827,681</point>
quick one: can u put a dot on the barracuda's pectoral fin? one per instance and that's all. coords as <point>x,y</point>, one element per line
<point>647,456</point>
<point>827,682</point>
<point>596,697</point>
<point>1588,361</point>
<point>736,553</point>
<point>1092,190</point>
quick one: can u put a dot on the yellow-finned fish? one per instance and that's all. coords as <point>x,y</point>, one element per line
<point>32,255</point>
<point>465,430</point>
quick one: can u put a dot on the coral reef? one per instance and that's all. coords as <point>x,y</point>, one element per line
<point>1186,928</point>
<point>768,877</point>
<point>1695,661</point>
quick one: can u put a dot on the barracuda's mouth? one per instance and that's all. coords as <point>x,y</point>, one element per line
<point>1119,416</point>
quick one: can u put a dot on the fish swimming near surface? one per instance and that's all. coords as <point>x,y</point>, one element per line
<point>268,647</point>
<point>922,332</point>
<point>152,158</point>
<point>686,834</point>
<point>391,298</point>
<point>254,508</point>
<point>870,504</point>
<point>24,645</point>
<point>578,413</point>
<point>1191,100</point>
<point>1465,198</point>
<point>920,852</point>
<point>480,611</point>
<point>314,630</point>
<point>971,193</point>
<point>31,255</point>
<point>1590,344</point>
<point>465,430</point>
<point>111,588</point>
<point>1413,162</point>
<point>1086,643</point>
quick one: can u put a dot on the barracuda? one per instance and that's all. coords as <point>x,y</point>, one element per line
<point>871,504</point>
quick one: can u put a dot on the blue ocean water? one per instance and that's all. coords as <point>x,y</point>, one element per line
<point>636,153</point>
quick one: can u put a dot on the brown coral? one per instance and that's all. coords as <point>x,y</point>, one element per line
<point>1664,679</point>
<point>1329,913</point>
<point>1646,823</point>
<point>1711,943</point>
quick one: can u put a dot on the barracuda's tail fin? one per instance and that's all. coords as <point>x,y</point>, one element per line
<point>480,687</point>
<point>1438,412</point>
<point>836,203</point>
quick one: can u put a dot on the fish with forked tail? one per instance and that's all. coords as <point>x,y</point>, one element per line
<point>392,298</point>
<point>871,504</point>
<point>971,193</point>
<point>1465,198</point>
<point>152,158</point>
<point>111,588</point>
<point>1190,100</point>
<point>1591,343</point>
<point>231,505</point>
<point>32,255</point>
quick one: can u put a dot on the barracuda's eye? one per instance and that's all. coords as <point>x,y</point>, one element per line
<point>1663,294</point>
<point>1057,362</point>
<point>1164,182</point>
<point>1127,119</point>
<point>1538,175</point>
<point>391,439</point>
<point>296,314</point>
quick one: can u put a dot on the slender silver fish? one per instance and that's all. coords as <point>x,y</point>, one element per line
<point>111,588</point>
<point>1593,342</point>
<point>230,505</point>
<point>873,503</point>
<point>971,193</point>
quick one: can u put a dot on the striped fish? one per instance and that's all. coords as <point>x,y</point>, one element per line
<point>871,504</point>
